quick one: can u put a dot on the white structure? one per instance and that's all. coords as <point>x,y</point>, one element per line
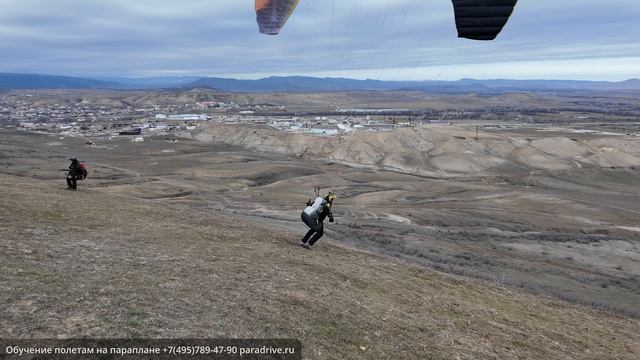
<point>188,117</point>
<point>323,132</point>
<point>345,128</point>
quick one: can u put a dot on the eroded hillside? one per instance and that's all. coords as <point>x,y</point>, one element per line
<point>442,151</point>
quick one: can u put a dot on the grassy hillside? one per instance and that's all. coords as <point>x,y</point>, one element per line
<point>86,263</point>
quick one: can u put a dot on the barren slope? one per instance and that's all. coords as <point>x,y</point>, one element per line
<point>93,264</point>
<point>447,151</point>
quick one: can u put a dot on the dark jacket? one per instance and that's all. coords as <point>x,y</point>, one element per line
<point>74,168</point>
<point>324,212</point>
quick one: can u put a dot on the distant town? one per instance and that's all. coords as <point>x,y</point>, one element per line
<point>88,119</point>
<point>103,114</point>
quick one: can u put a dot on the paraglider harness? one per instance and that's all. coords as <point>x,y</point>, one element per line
<point>80,172</point>
<point>321,210</point>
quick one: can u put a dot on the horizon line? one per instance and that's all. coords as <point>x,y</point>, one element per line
<point>142,77</point>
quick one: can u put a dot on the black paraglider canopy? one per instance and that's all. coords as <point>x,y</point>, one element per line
<point>482,19</point>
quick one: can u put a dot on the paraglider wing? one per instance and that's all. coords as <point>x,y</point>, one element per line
<point>482,19</point>
<point>273,14</point>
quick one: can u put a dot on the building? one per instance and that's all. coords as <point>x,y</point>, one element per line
<point>132,132</point>
<point>322,132</point>
<point>188,117</point>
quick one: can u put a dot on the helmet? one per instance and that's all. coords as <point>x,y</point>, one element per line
<point>73,158</point>
<point>330,196</point>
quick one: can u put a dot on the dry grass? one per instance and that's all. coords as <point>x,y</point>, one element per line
<point>97,265</point>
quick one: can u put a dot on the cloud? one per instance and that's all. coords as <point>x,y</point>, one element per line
<point>355,38</point>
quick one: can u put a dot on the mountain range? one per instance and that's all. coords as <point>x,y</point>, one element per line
<point>303,84</point>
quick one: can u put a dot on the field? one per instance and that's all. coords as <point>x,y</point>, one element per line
<point>446,243</point>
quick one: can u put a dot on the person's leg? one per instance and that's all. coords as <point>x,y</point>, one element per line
<point>68,182</point>
<point>318,234</point>
<point>74,182</point>
<point>307,236</point>
<point>311,223</point>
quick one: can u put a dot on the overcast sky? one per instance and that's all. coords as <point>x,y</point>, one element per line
<point>379,39</point>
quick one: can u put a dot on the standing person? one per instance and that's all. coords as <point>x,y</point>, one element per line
<point>313,216</point>
<point>75,172</point>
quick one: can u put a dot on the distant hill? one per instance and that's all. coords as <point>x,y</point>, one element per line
<point>311,84</point>
<point>298,84</point>
<point>36,81</point>
<point>151,82</point>
<point>533,85</point>
<point>305,84</point>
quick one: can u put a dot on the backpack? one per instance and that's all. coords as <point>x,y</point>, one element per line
<point>82,172</point>
<point>314,208</point>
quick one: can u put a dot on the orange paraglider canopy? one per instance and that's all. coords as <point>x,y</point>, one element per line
<point>273,14</point>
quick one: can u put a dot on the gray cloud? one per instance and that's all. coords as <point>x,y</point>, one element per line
<point>408,39</point>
